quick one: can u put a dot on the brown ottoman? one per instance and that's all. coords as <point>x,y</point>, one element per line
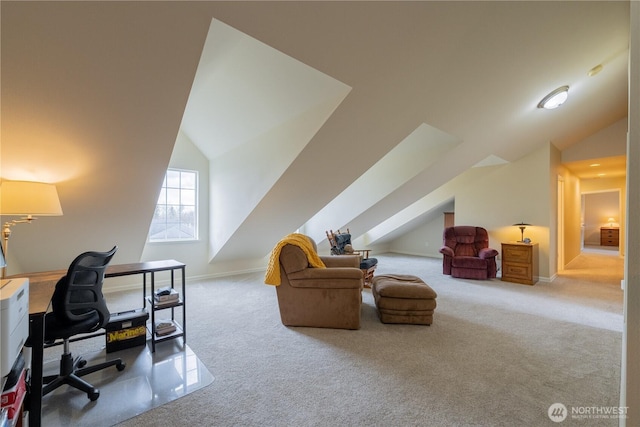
<point>401,298</point>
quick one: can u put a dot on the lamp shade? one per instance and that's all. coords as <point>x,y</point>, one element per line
<point>29,198</point>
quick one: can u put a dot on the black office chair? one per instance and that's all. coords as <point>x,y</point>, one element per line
<point>78,307</point>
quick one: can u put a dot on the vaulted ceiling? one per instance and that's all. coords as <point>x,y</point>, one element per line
<point>363,103</point>
<point>312,114</point>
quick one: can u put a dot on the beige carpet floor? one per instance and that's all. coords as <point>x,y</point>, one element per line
<point>596,265</point>
<point>497,354</point>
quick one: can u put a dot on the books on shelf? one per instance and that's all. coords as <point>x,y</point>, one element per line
<point>165,297</point>
<point>12,391</point>
<point>164,327</point>
<point>13,397</point>
<point>166,294</point>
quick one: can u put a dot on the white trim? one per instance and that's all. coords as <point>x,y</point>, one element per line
<point>107,288</point>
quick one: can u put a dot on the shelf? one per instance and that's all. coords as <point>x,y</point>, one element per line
<point>180,304</point>
<point>177,333</point>
<point>165,305</point>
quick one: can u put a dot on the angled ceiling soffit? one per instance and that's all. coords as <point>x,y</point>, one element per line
<point>251,111</point>
<point>418,212</point>
<point>491,160</point>
<point>423,147</point>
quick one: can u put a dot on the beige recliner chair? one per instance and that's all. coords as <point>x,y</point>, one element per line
<point>319,297</point>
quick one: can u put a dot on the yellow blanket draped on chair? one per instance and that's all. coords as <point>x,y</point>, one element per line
<point>272,276</point>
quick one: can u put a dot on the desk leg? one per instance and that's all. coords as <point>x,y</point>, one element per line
<point>153,312</point>
<point>184,307</point>
<point>36,333</point>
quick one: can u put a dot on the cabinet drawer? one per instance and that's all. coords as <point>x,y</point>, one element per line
<point>609,237</point>
<point>520,263</point>
<point>516,254</point>
<point>609,242</point>
<point>519,273</point>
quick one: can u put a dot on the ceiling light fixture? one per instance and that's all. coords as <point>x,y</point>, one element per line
<point>555,98</point>
<point>595,70</point>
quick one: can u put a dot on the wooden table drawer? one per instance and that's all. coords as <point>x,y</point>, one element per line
<point>516,254</point>
<point>520,263</point>
<point>517,271</point>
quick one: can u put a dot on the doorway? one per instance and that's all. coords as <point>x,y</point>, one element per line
<point>601,221</point>
<point>560,225</point>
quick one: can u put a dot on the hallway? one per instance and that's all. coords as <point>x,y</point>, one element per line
<point>597,265</point>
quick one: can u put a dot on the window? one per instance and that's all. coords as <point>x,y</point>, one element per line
<point>176,215</point>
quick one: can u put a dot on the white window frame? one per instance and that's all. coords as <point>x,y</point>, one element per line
<point>179,198</point>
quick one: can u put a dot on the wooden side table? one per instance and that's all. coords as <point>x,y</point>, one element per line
<point>609,236</point>
<point>520,262</point>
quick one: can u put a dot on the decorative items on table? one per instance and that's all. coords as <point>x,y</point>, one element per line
<point>165,327</point>
<point>165,297</point>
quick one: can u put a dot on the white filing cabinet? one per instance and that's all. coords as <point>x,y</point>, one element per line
<point>14,321</point>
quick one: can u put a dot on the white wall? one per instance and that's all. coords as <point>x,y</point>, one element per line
<point>186,156</point>
<point>506,194</point>
<point>572,244</point>
<point>92,98</point>
<point>424,240</point>
<point>630,369</point>
<point>513,193</point>
<point>619,187</point>
<point>196,253</point>
<point>609,142</point>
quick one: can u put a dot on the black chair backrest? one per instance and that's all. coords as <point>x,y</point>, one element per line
<point>78,295</point>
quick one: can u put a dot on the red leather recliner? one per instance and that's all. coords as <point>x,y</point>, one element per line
<point>467,254</point>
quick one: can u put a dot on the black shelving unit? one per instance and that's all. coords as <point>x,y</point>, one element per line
<point>174,306</point>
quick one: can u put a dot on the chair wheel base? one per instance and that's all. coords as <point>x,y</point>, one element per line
<point>93,395</point>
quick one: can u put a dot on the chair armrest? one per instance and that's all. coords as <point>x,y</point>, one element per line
<point>487,253</point>
<point>446,250</point>
<point>364,253</point>
<point>341,261</point>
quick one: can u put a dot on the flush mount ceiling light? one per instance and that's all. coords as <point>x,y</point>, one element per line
<point>555,98</point>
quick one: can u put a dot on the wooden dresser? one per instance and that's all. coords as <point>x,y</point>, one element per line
<point>609,236</point>
<point>520,262</point>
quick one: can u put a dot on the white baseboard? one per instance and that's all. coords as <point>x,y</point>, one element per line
<point>416,254</point>
<point>123,287</point>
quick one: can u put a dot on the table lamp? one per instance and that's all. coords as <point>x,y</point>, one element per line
<point>611,221</point>
<point>521,226</point>
<point>26,199</point>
